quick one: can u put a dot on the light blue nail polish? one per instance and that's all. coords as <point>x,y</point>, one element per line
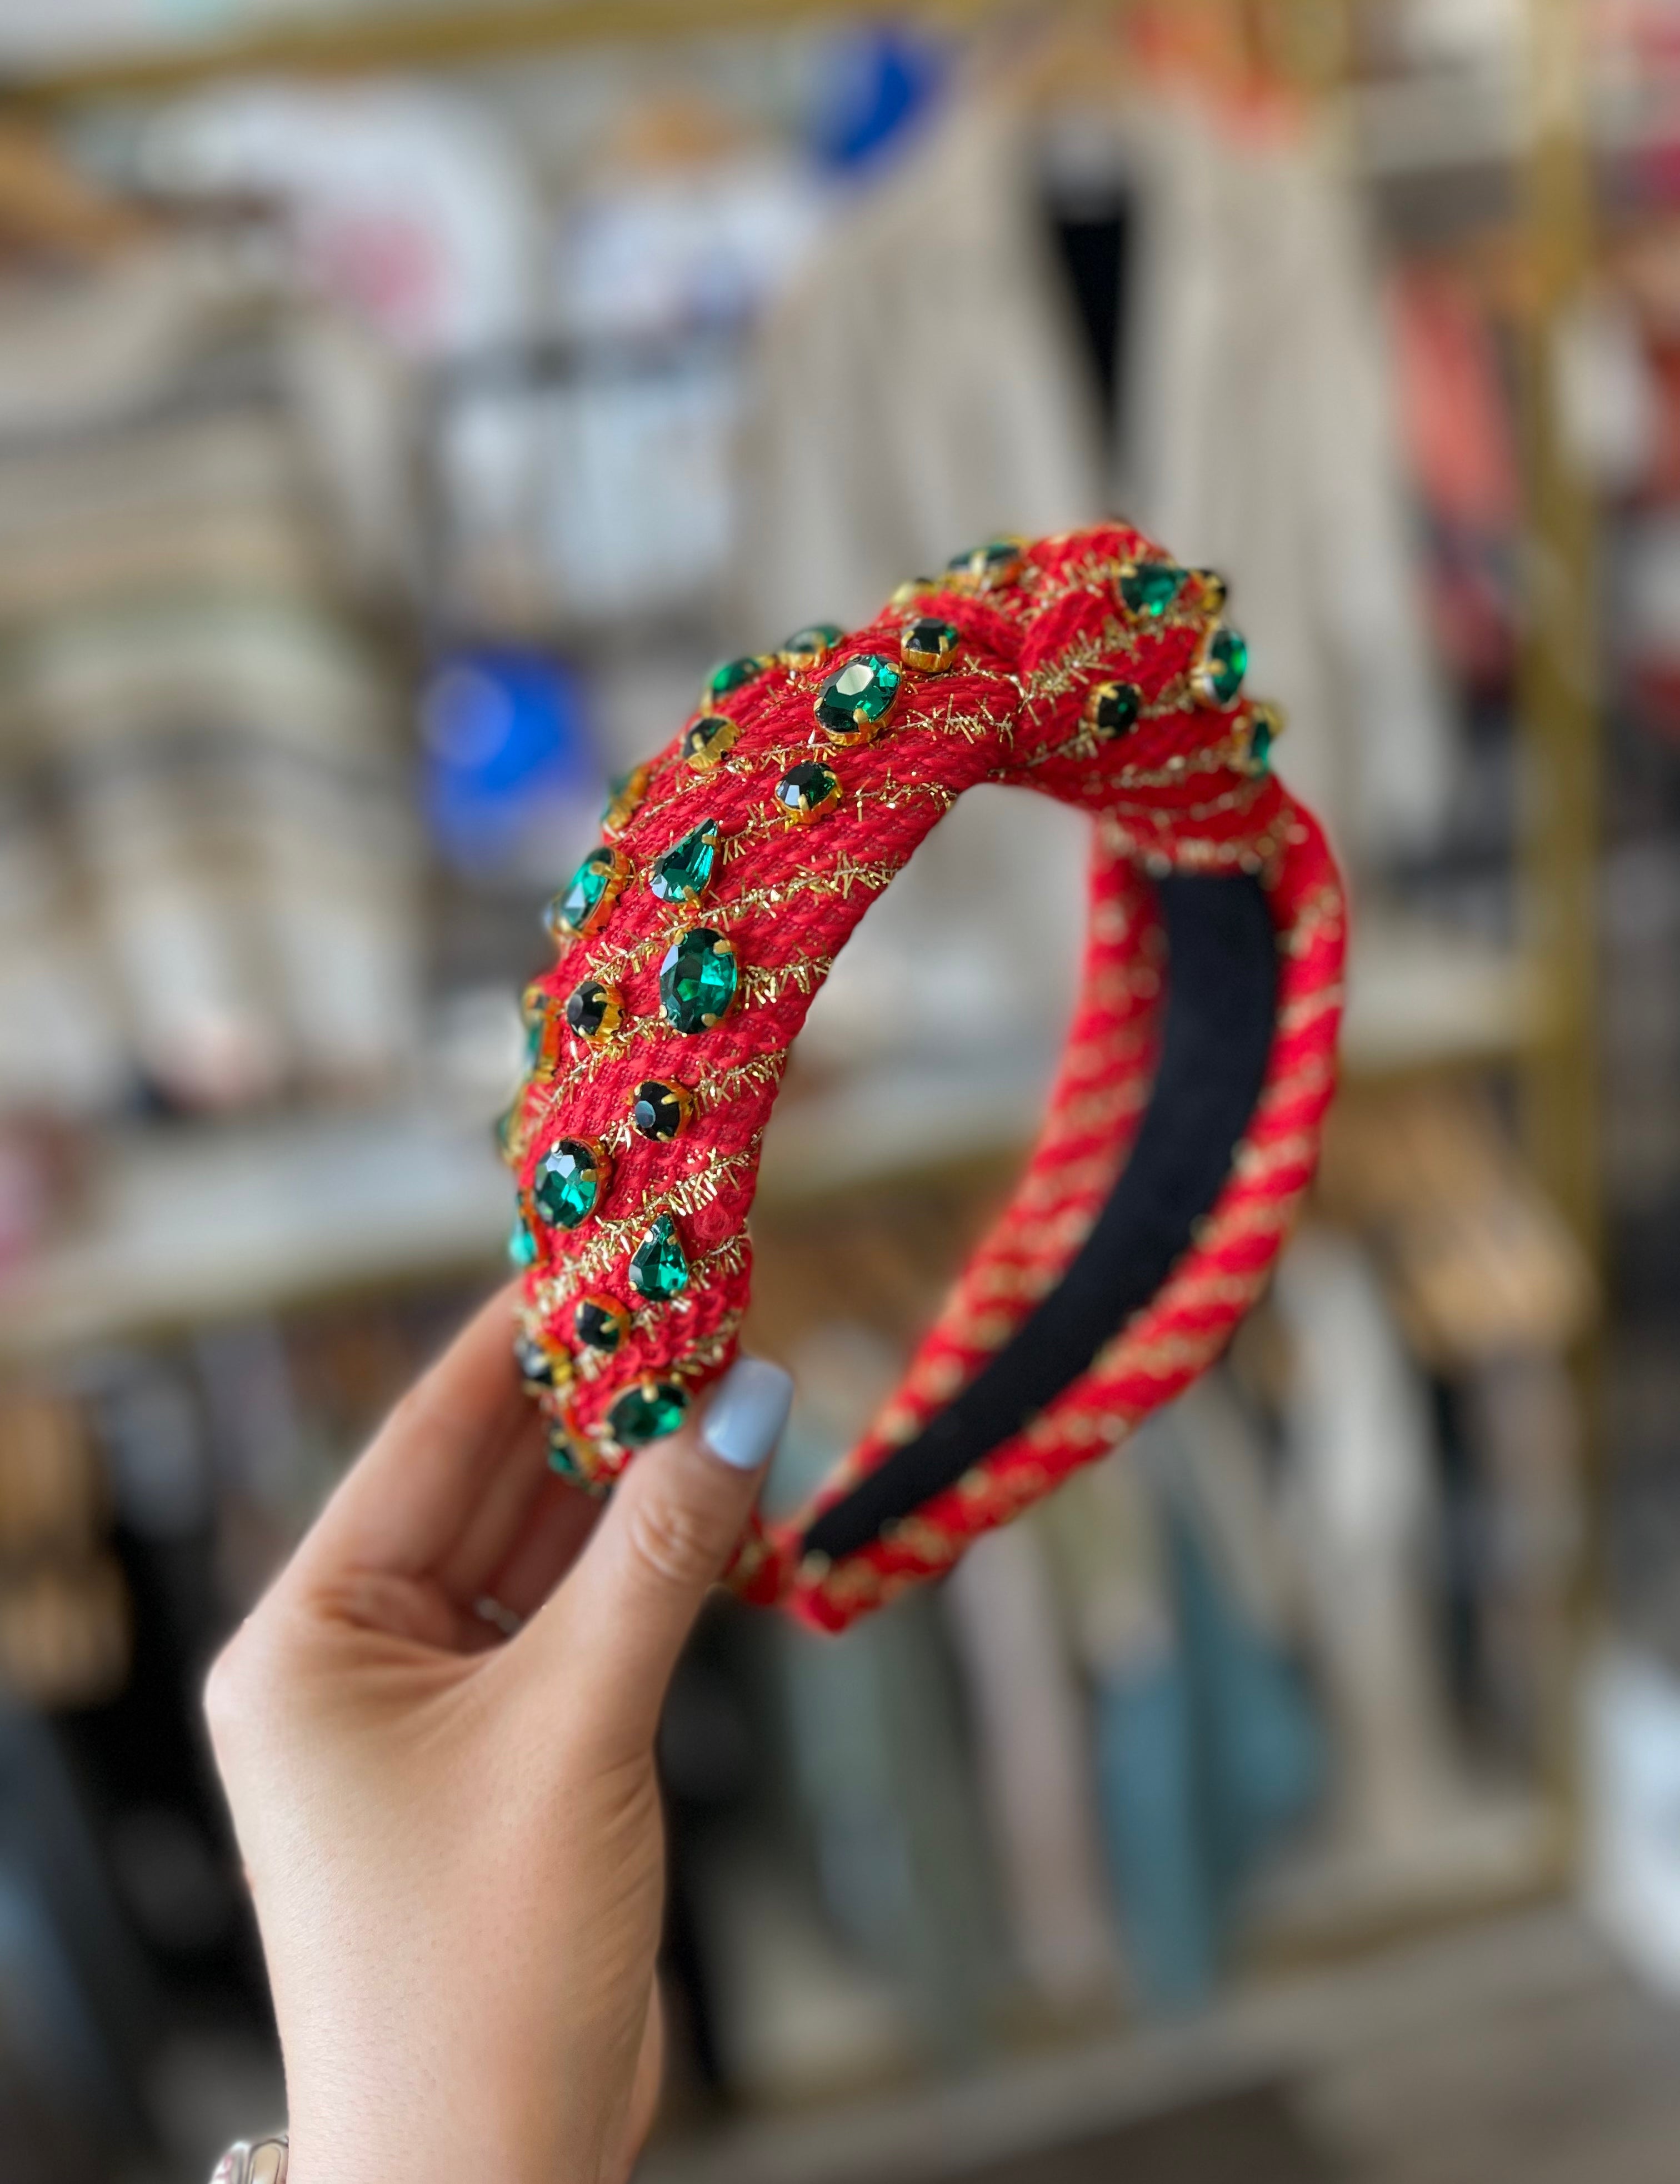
<point>745,1416</point>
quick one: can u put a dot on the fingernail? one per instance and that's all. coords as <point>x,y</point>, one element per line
<point>745,1418</point>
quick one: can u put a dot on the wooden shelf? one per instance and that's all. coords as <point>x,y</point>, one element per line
<point>375,39</point>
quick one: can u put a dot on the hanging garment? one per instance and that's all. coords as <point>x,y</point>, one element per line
<point>209,829</point>
<point>1362,1476</point>
<point>1208,1746</point>
<point>1033,1755</point>
<point>924,386</point>
<point>883,1788</point>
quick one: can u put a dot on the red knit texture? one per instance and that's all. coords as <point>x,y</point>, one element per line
<point>1180,791</point>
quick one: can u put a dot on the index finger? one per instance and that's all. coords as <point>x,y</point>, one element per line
<point>412,1492</point>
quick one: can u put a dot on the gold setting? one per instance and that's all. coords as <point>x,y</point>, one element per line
<point>652,1092</point>
<point>929,644</point>
<point>810,647</point>
<point>793,807</point>
<point>594,1010</point>
<point>626,794</point>
<point>601,1315</point>
<point>709,740</point>
<point>990,567</point>
<point>616,866</point>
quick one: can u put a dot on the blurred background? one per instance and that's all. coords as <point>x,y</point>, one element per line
<point>400,405</point>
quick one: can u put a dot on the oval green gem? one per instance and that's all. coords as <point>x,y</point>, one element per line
<point>647,1412</point>
<point>1224,664</point>
<point>697,980</point>
<point>807,646</point>
<point>729,675</point>
<point>567,1184</point>
<point>1149,588</point>
<point>659,1268</point>
<point>857,696</point>
<point>685,872</point>
<point>569,912</point>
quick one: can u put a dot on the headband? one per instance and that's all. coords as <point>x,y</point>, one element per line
<point>1184,1124</point>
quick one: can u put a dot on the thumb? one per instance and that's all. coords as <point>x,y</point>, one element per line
<point>666,1537</point>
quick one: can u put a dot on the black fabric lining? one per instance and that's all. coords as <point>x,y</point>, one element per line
<point>1221,1016</point>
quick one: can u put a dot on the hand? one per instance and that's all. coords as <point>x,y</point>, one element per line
<point>455,1843</point>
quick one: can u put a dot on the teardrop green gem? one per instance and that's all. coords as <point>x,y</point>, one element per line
<point>697,980</point>
<point>659,1268</point>
<point>1149,588</point>
<point>569,912</point>
<point>522,1244</point>
<point>685,872</point>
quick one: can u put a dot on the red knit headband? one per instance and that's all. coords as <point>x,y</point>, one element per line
<point>1184,1124</point>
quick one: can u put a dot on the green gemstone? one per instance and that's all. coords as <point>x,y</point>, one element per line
<point>697,980</point>
<point>807,790</point>
<point>522,1244</point>
<point>659,1110</point>
<point>569,912</point>
<point>857,697</point>
<point>1224,664</point>
<point>1113,707</point>
<point>1149,588</point>
<point>565,1463</point>
<point>994,563</point>
<point>807,646</point>
<point>1264,728</point>
<point>707,742</point>
<point>659,1268</point>
<point>625,792</point>
<point>600,1322</point>
<point>929,644</point>
<point>592,1010</point>
<point>684,872</point>
<point>567,1185</point>
<point>647,1413</point>
<point>729,675</point>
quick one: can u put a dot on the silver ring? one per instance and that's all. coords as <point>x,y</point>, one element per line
<point>254,2161</point>
<point>488,1609</point>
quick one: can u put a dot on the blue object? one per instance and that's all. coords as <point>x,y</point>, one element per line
<point>1206,1753</point>
<point>875,86</point>
<point>509,762</point>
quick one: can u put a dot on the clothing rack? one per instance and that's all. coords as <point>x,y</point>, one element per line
<point>1557,715</point>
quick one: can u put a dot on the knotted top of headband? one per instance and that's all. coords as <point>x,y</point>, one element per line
<point>1184,1124</point>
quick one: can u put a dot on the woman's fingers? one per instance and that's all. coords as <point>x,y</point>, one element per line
<point>555,1526</point>
<point>663,1540</point>
<point>412,1495</point>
